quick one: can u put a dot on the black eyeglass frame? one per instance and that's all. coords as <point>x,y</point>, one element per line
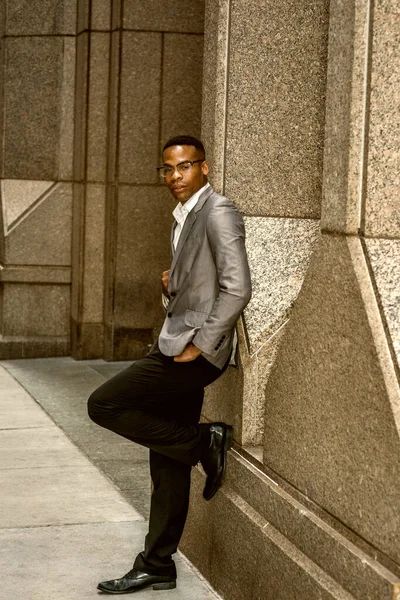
<point>191,162</point>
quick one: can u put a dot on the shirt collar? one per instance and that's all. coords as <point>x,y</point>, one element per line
<point>181,211</point>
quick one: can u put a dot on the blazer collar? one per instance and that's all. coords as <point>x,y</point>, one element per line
<point>191,218</point>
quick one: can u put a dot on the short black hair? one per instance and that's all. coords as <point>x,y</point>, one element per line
<point>185,140</point>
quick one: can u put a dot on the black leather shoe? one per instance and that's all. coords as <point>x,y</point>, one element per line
<point>136,580</point>
<point>213,460</point>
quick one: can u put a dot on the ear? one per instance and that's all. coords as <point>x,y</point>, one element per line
<point>204,168</point>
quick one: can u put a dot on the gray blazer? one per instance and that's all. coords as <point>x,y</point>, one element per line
<point>209,280</point>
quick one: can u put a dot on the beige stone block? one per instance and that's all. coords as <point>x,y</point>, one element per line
<point>66,138</point>
<point>139,107</point>
<point>279,252</point>
<point>113,114</point>
<point>215,66</point>
<point>43,235</point>
<point>34,347</point>
<point>330,426</point>
<point>36,310</point>
<point>101,15</point>
<point>345,116</point>
<point>18,196</point>
<point>87,340</point>
<point>41,17</point>
<point>224,400</point>
<point>35,274</point>
<point>388,6</point>
<point>340,554</point>
<point>196,541</point>
<point>141,256</point>
<point>98,107</point>
<point>384,256</point>
<point>182,85</point>
<point>276,107</point>
<point>81,99</point>
<point>382,206</point>
<point>155,15</point>
<point>32,95</point>
<point>93,276</point>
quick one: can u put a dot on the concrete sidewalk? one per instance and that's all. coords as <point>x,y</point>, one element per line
<point>63,525</point>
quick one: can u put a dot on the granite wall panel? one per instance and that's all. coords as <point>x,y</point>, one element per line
<point>43,236</point>
<point>181,96</point>
<point>330,428</point>
<point>156,15</point>
<point>141,256</point>
<point>278,251</point>
<point>276,106</point>
<point>36,310</point>
<point>33,82</point>
<point>139,127</point>
<point>18,196</point>
<point>384,256</point>
<point>98,107</point>
<point>382,207</point>
<point>93,276</point>
<point>215,64</point>
<point>41,17</point>
<point>66,137</point>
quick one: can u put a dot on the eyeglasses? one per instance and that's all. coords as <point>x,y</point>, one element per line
<point>183,167</point>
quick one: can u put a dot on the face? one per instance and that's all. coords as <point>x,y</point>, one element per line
<point>183,185</point>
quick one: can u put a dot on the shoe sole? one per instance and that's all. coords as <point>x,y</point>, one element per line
<point>168,585</point>
<point>227,446</point>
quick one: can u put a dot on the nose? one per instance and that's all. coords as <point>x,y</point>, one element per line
<point>176,174</point>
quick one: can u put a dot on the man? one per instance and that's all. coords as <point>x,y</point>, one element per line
<point>157,401</point>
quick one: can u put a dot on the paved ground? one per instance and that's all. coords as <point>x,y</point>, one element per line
<point>74,497</point>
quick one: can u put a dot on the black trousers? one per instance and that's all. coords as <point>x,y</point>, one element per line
<point>157,402</point>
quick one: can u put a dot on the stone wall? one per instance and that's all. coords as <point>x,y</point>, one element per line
<point>91,91</point>
<point>302,122</point>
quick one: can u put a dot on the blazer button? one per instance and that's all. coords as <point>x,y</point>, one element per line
<point>223,337</point>
<point>172,294</point>
<point>169,314</point>
<point>216,348</point>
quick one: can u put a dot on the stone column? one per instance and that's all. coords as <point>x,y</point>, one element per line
<point>37,80</point>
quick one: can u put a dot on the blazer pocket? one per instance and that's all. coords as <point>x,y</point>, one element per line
<point>195,318</point>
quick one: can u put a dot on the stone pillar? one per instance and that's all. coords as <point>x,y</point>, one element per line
<point>37,72</point>
<point>313,511</point>
<point>140,64</point>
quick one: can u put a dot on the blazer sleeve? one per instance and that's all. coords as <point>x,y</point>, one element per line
<point>226,235</point>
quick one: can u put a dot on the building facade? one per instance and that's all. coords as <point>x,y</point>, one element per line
<point>298,106</point>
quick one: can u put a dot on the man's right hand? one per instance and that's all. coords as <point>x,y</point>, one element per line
<point>164,283</point>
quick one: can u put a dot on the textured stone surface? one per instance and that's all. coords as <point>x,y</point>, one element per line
<point>140,258</point>
<point>33,82</point>
<point>278,252</point>
<point>101,14</point>
<point>43,236</point>
<point>35,310</point>
<point>385,260</point>
<point>214,88</point>
<point>295,519</point>
<point>140,104</point>
<point>185,16</point>
<point>181,96</point>
<point>276,106</point>
<point>345,116</point>
<point>329,426</point>
<point>93,276</point>
<point>18,195</point>
<point>66,137</point>
<point>382,209</point>
<point>98,107</point>
<point>81,99</point>
<point>43,17</point>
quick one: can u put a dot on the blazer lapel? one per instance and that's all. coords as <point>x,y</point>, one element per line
<point>191,218</point>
